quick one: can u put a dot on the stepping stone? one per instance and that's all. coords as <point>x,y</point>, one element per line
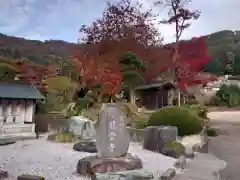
<point>85,146</point>
<point>4,142</point>
<point>125,175</point>
<point>30,177</point>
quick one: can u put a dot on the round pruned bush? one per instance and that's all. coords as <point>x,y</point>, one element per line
<point>211,132</point>
<point>184,119</point>
<point>141,123</point>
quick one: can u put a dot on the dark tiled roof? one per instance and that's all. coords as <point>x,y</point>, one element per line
<point>19,91</point>
<point>155,85</point>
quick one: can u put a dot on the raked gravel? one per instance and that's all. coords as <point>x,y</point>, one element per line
<point>57,161</point>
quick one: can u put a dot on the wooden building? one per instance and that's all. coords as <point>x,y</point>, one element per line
<point>156,95</point>
<point>17,108</point>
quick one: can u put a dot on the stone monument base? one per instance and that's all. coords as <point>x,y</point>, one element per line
<point>93,164</point>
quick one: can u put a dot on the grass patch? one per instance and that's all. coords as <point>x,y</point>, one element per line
<point>63,137</point>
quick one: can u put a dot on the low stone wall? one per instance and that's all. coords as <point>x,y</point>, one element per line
<point>50,122</point>
<point>136,135</point>
<point>18,128</point>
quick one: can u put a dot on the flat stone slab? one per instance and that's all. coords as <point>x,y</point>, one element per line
<point>125,175</point>
<point>30,177</point>
<point>202,167</point>
<point>103,165</point>
<point>4,142</point>
<point>85,146</point>
<point>206,162</point>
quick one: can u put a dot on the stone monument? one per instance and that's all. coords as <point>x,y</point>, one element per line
<point>112,138</point>
<point>112,142</point>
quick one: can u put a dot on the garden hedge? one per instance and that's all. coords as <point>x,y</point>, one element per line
<point>183,118</point>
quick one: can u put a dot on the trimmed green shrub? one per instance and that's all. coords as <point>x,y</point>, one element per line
<point>200,110</point>
<point>216,101</point>
<point>141,123</point>
<point>211,132</point>
<point>183,118</point>
<point>228,95</point>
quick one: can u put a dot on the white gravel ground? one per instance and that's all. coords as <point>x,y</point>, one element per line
<point>56,161</point>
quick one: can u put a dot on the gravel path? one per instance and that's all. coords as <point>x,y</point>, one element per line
<point>226,145</point>
<point>57,161</point>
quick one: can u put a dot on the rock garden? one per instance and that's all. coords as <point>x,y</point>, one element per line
<point>109,148</point>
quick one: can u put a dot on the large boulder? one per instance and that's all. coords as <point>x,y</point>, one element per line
<point>168,133</point>
<point>82,127</point>
<point>152,139</point>
<point>93,164</point>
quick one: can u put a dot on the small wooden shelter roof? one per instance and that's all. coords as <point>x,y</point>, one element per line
<point>13,90</point>
<point>165,85</point>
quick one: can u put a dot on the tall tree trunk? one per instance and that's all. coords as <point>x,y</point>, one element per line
<point>179,98</point>
<point>176,73</point>
<point>131,95</point>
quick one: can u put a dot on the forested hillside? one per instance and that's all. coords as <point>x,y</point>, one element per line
<point>223,47</point>
<point>34,50</point>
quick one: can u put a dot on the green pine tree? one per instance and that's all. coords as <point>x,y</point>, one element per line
<point>236,65</point>
<point>131,69</point>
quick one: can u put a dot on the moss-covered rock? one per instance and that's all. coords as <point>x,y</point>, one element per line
<point>176,146</point>
<point>174,149</point>
<point>64,137</point>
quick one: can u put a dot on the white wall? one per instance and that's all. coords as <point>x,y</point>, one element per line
<point>22,110</point>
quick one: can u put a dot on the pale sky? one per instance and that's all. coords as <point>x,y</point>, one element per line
<point>61,19</point>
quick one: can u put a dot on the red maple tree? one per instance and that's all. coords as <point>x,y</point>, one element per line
<point>180,16</point>
<point>93,73</point>
<point>33,73</point>
<point>122,28</point>
<point>192,56</point>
